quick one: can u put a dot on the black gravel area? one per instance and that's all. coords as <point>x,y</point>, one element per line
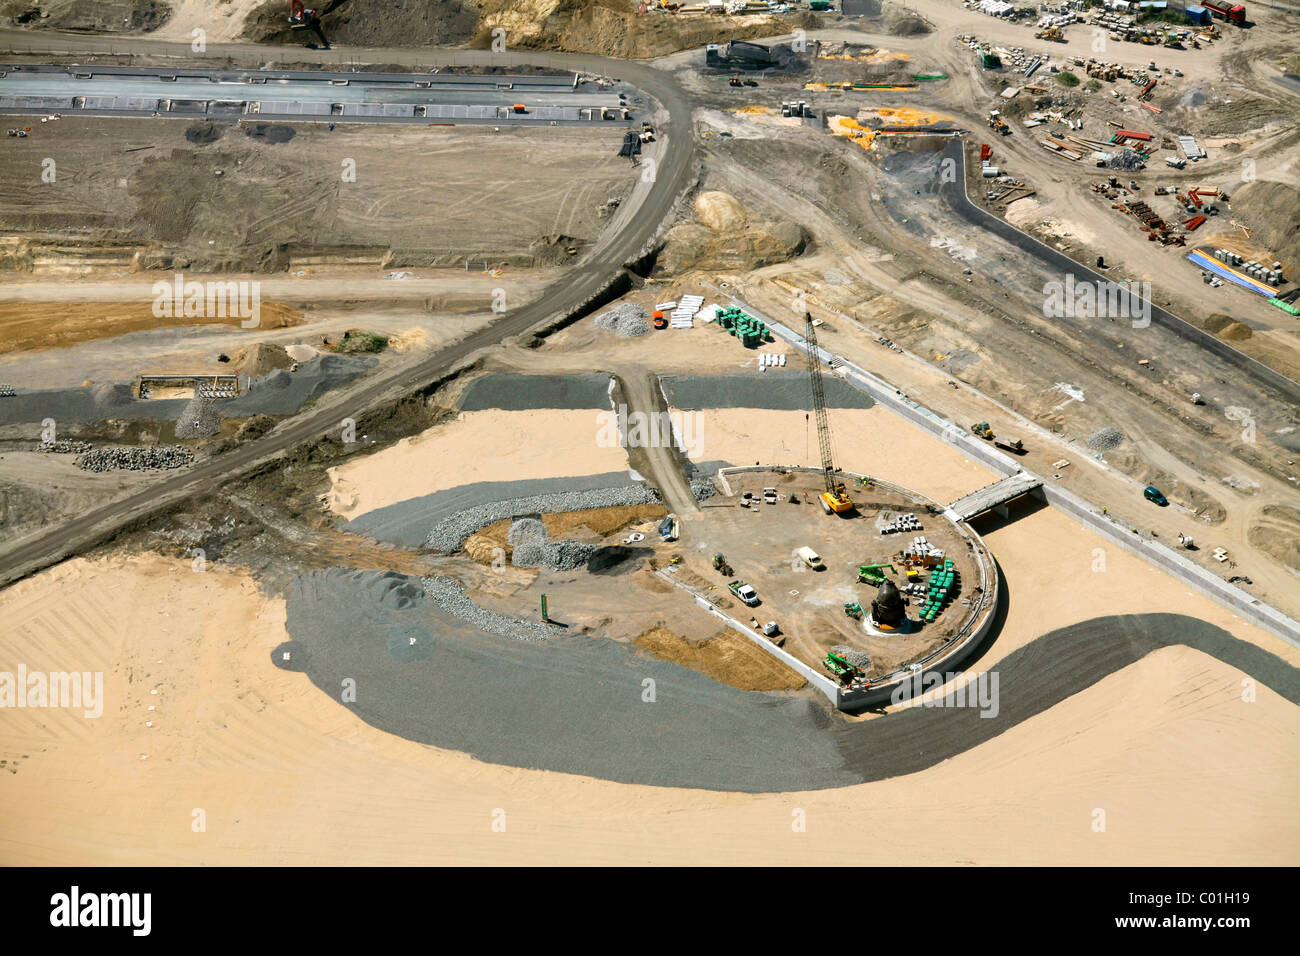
<point>514,392</point>
<point>574,704</point>
<point>779,389</point>
<point>279,393</point>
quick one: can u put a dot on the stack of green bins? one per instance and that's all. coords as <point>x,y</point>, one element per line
<point>745,327</point>
<point>937,591</point>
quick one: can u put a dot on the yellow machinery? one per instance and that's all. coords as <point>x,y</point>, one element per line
<point>835,499</point>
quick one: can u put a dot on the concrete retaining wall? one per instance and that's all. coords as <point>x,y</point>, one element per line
<point>944,660</point>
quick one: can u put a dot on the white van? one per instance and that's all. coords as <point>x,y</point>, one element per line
<point>810,557</point>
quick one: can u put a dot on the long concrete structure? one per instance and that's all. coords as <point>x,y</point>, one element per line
<point>312,96</point>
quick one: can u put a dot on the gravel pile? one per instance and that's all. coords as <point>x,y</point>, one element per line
<point>449,533</point>
<point>135,459</point>
<point>703,487</point>
<point>1126,160</point>
<point>1104,439</point>
<point>856,657</point>
<point>65,446</point>
<point>533,547</point>
<point>627,320</point>
<point>198,419</point>
<point>448,594</point>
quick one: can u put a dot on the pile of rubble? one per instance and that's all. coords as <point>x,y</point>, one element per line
<point>198,419</point>
<point>65,446</point>
<point>449,534</point>
<point>135,459</point>
<point>448,594</point>
<point>533,547</point>
<point>627,320</point>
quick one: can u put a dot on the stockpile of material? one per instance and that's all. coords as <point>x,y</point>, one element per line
<point>198,419</point>
<point>751,332</point>
<point>449,534</point>
<point>1104,439</point>
<point>135,459</point>
<point>627,320</point>
<point>448,594</point>
<point>684,315</point>
<point>856,657</point>
<point>64,446</point>
<point>533,547</point>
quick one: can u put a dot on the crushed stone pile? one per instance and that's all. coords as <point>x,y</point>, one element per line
<point>135,459</point>
<point>449,534</point>
<point>702,487</point>
<point>1104,439</point>
<point>856,657</point>
<point>65,446</point>
<point>533,547</point>
<point>198,419</point>
<point>1124,159</point>
<point>627,320</point>
<point>448,594</point>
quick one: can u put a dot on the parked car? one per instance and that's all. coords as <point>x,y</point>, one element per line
<point>810,558</point>
<point>744,592</point>
<point>1152,493</point>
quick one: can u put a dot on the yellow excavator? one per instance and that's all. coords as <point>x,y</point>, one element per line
<point>835,499</point>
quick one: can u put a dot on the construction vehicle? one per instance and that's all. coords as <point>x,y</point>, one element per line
<point>1055,34</point>
<point>854,610</point>
<point>982,429</point>
<point>835,499</point>
<point>841,668</point>
<point>1233,12</point>
<point>306,18</point>
<point>743,591</point>
<point>720,565</point>
<point>997,124</point>
<point>873,574</point>
<point>1013,445</point>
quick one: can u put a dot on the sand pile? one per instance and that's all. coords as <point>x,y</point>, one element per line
<point>261,359</point>
<point>727,238</point>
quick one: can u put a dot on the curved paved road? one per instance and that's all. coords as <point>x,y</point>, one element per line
<point>623,242</point>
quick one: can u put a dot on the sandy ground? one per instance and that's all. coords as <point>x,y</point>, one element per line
<point>478,446</point>
<point>285,775</point>
<point>873,441</point>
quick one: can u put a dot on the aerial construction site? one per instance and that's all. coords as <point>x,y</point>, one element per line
<point>676,416</point>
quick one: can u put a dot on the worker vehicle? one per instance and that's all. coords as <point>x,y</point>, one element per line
<point>873,574</point>
<point>1013,445</point>
<point>1152,493</point>
<point>841,668</point>
<point>810,558</point>
<point>744,592</point>
<point>771,629</point>
<point>769,495</point>
<point>982,429</point>
<point>1232,12</point>
<point>835,499</point>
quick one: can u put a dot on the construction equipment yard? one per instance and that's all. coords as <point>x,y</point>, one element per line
<point>652,419</point>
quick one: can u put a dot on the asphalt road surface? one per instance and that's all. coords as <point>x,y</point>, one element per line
<point>674,154</point>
